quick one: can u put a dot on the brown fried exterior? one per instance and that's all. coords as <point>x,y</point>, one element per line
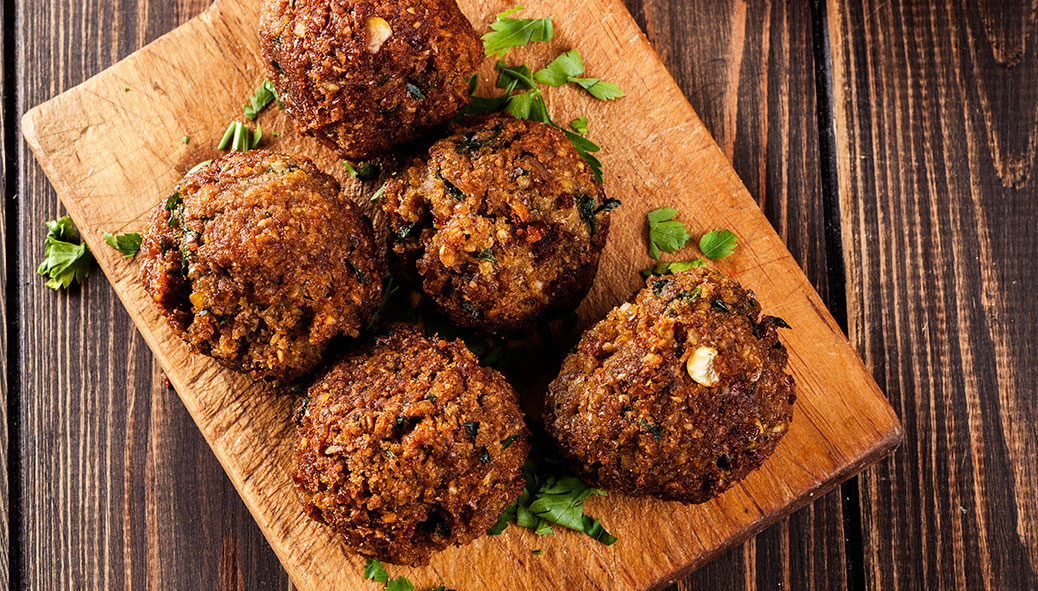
<point>409,446</point>
<point>257,260</point>
<point>626,412</point>
<point>365,75</point>
<point>499,225</point>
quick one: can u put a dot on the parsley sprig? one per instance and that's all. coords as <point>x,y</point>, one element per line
<point>128,243</point>
<point>513,32</point>
<point>64,263</point>
<point>552,497</point>
<point>373,571</point>
<point>567,68</point>
<point>522,97</point>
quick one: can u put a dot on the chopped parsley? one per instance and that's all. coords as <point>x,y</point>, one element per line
<point>472,429</point>
<point>717,244</point>
<point>588,211</point>
<point>651,428</point>
<point>373,570</point>
<point>239,138</point>
<point>128,243</point>
<point>666,233</point>
<point>551,497</point>
<point>486,255</point>
<point>378,194</point>
<point>579,125</point>
<point>720,306</point>
<point>415,92</point>
<point>198,167</point>
<point>399,584</point>
<point>361,277</point>
<point>261,99</point>
<point>186,139</point>
<point>64,263</point>
<point>672,267</point>
<point>450,188</point>
<point>538,552</point>
<point>509,441</point>
<point>514,32</point>
<point>362,172</point>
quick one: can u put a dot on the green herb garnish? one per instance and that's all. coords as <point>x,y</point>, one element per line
<point>64,263</point>
<point>373,570</point>
<point>579,125</point>
<point>263,97</point>
<point>508,441</point>
<point>485,255</point>
<point>378,194</point>
<point>128,243</point>
<point>186,139</point>
<point>717,244</point>
<point>665,233</point>
<point>567,68</point>
<point>549,497</point>
<point>198,167</point>
<point>362,172</point>
<point>672,267</point>
<point>514,32</point>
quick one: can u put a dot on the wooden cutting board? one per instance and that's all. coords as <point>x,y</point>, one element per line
<point>112,149</point>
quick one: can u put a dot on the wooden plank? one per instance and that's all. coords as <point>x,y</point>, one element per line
<point>937,128</point>
<point>107,178</point>
<point>5,506</point>
<point>120,489</point>
<point>748,70</point>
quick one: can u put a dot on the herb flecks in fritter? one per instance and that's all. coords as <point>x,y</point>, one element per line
<point>500,225</point>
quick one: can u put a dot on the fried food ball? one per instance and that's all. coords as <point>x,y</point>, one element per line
<point>258,260</point>
<point>500,224</point>
<point>409,446</point>
<point>678,394</point>
<point>364,75</point>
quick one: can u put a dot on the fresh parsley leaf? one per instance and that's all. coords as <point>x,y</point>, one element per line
<point>560,499</point>
<point>672,268</point>
<point>600,89</point>
<point>399,584</point>
<point>717,244</point>
<point>665,233</point>
<point>186,139</point>
<point>64,263</point>
<point>261,99</point>
<point>507,516</point>
<point>520,75</point>
<point>128,243</point>
<point>593,528</point>
<point>579,125</point>
<point>537,552</point>
<point>514,32</point>
<point>561,69</point>
<point>373,570</point>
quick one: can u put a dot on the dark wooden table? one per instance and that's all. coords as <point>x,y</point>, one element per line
<point>894,145</point>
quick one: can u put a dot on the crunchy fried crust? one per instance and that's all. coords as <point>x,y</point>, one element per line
<point>277,263</point>
<point>625,410</point>
<point>355,94</point>
<point>401,447</point>
<point>490,224</point>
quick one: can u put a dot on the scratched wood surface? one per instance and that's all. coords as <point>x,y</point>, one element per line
<point>228,573</point>
<point>937,122</point>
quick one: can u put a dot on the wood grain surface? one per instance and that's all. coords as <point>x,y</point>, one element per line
<point>109,177</point>
<point>737,62</point>
<point>937,120</point>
